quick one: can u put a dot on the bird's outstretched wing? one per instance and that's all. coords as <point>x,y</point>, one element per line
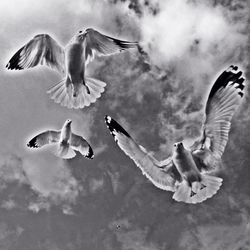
<point>42,49</point>
<point>223,100</point>
<point>163,176</point>
<point>103,45</point>
<point>81,145</point>
<point>44,138</point>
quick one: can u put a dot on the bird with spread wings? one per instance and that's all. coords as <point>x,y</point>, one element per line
<point>191,172</point>
<point>65,140</point>
<point>75,90</point>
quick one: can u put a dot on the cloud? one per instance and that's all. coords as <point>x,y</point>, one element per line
<point>115,182</point>
<point>194,38</point>
<point>43,203</point>
<point>135,240</point>
<point>188,44</point>
<point>51,178</point>
<point>67,209</point>
<point>217,237</point>
<point>8,235</point>
<point>37,206</point>
<point>95,184</point>
<point>70,17</point>
<point>99,149</point>
<point>11,170</point>
<point>45,174</point>
<point>8,204</point>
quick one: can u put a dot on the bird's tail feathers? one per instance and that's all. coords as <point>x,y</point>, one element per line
<point>63,93</point>
<point>96,88</point>
<point>64,153</point>
<point>183,192</point>
<point>206,188</point>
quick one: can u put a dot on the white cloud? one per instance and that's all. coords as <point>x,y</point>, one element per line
<point>37,206</point>
<point>95,184</point>
<point>51,178</point>
<point>47,175</point>
<point>67,209</point>
<point>8,204</point>
<point>192,38</point>
<point>99,149</point>
<point>11,170</point>
<point>45,203</point>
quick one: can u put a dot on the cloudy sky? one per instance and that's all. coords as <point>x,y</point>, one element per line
<point>157,94</point>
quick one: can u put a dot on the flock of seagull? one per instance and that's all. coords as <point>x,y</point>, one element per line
<point>191,173</point>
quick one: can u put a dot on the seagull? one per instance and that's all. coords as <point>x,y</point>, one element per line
<point>75,90</point>
<point>191,172</point>
<point>66,142</point>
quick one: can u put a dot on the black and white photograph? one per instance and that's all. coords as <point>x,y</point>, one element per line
<point>125,125</point>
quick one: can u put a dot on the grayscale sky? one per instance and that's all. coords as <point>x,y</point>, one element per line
<point>107,204</point>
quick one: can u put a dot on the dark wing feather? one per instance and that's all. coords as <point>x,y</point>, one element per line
<point>163,176</point>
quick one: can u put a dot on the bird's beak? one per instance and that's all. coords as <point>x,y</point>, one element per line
<point>178,145</point>
<point>69,122</point>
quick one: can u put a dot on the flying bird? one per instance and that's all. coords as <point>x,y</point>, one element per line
<point>191,172</point>
<point>65,140</point>
<point>75,90</point>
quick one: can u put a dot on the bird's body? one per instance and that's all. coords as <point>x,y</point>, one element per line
<point>65,132</point>
<point>185,164</point>
<point>65,141</point>
<point>191,172</point>
<point>194,183</point>
<point>63,151</point>
<point>63,148</point>
<point>75,90</point>
<point>74,64</point>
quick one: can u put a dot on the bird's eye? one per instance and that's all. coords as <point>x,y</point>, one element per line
<point>80,31</point>
<point>175,144</point>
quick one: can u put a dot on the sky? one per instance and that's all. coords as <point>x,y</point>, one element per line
<point>157,94</point>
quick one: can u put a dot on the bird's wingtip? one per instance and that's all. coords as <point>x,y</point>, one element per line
<point>32,143</point>
<point>108,118</point>
<point>90,154</point>
<point>232,76</point>
<point>232,68</point>
<point>115,127</point>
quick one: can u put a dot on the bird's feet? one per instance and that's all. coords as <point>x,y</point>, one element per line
<point>192,193</point>
<point>196,188</point>
<point>87,89</point>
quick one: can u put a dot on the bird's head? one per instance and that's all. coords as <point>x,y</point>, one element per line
<point>68,122</point>
<point>80,36</point>
<point>178,146</point>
